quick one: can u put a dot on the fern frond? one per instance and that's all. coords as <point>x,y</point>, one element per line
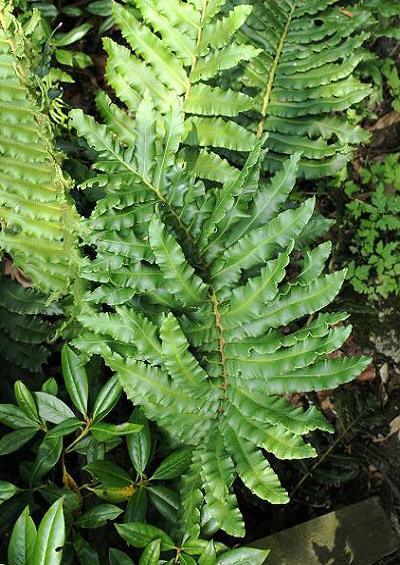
<point>25,331</point>
<point>38,223</point>
<point>209,325</point>
<point>303,80</point>
<point>180,49</point>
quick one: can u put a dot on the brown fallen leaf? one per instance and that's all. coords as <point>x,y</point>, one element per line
<point>15,273</point>
<point>386,121</point>
<point>367,375</point>
<point>346,12</point>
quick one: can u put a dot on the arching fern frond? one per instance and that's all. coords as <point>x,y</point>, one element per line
<point>303,80</point>
<point>37,220</point>
<point>204,318</point>
<point>179,49</point>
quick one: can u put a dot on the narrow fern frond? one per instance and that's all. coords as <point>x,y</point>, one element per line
<point>38,222</point>
<point>303,80</point>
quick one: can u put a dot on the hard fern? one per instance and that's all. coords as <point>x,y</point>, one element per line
<point>201,320</point>
<point>303,80</point>
<point>181,48</point>
<point>37,220</point>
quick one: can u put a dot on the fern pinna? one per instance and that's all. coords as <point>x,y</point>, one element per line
<point>37,220</point>
<point>303,80</point>
<point>196,308</point>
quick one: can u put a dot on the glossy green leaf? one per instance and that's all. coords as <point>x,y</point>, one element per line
<point>106,399</point>
<point>85,553</point>
<point>174,465</point>
<point>108,473</point>
<point>140,535</point>
<point>15,418</point>
<point>51,408</point>
<point>151,553</point>
<point>21,546</point>
<point>139,444</point>
<point>104,432</point>
<point>243,556</point>
<point>26,401</point>
<point>47,457</point>
<point>136,508</point>
<point>117,557</point>
<point>50,537</point>
<point>77,33</point>
<point>98,516</point>
<point>7,490</point>
<point>75,378</point>
<point>9,443</point>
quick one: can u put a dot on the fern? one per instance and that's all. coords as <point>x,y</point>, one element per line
<point>303,80</point>
<point>25,330</point>
<point>37,220</point>
<point>202,318</point>
<point>181,48</point>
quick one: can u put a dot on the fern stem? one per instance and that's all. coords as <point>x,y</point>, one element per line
<point>198,39</point>
<point>221,349</point>
<point>271,77</point>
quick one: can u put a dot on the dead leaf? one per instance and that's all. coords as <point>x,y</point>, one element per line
<point>384,373</point>
<point>346,12</point>
<point>15,273</point>
<point>367,375</point>
<point>394,427</point>
<point>386,121</point>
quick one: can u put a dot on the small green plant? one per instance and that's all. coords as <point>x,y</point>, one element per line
<point>372,227</point>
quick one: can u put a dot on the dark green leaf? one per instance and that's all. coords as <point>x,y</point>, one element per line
<point>139,445</point>
<point>104,432</point>
<point>117,557</point>
<point>136,509</point>
<point>84,551</point>
<point>26,401</point>
<point>47,457</point>
<point>166,501</point>
<point>174,466</point>
<point>98,516</point>
<point>109,473</point>
<point>13,441</point>
<point>52,409</point>
<point>13,417</point>
<point>140,535</point>
<point>75,378</point>
<point>106,399</point>
<point>7,490</point>
<point>243,556</point>
<point>63,39</point>
<point>151,554</point>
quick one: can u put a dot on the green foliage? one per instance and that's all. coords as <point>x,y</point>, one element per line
<point>303,80</point>
<point>156,542</point>
<point>198,288</point>
<point>25,329</point>
<point>38,224</point>
<point>41,547</point>
<point>196,292</point>
<point>180,49</point>
<point>373,227</point>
